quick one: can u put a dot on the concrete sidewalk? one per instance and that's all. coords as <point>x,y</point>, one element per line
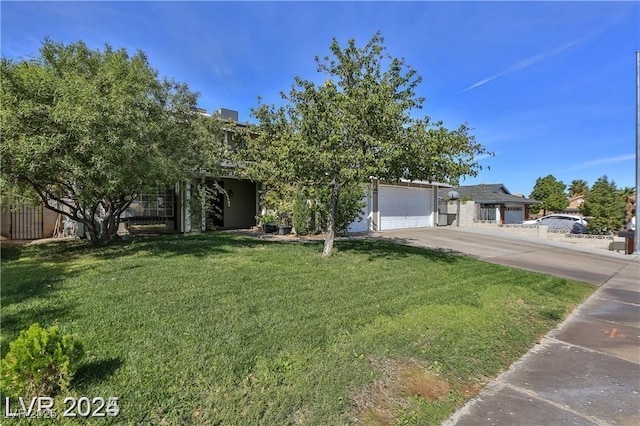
<point>585,372</point>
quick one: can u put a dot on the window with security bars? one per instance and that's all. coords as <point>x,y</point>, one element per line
<point>156,201</point>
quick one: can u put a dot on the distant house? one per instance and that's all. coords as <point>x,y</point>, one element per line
<point>494,203</point>
<point>574,205</point>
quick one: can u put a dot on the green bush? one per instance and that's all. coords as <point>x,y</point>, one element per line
<point>269,219</point>
<point>301,214</point>
<point>40,362</point>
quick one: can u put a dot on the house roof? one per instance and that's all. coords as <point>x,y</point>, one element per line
<point>494,193</point>
<point>426,182</point>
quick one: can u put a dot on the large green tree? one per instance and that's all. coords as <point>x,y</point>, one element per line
<point>550,193</point>
<point>359,123</point>
<point>86,130</point>
<point>604,206</point>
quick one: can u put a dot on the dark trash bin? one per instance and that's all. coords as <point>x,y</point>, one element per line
<point>629,241</point>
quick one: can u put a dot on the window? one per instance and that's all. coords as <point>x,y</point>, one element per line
<point>487,212</point>
<point>157,201</point>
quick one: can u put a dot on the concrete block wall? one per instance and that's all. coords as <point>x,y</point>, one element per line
<point>522,230</point>
<point>605,242</point>
<point>467,212</point>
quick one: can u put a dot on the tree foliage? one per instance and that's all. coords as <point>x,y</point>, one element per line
<point>310,208</point>
<point>629,197</point>
<point>578,187</point>
<point>550,193</point>
<point>356,125</point>
<point>604,206</point>
<point>86,130</point>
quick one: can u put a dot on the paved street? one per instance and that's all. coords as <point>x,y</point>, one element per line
<point>584,372</point>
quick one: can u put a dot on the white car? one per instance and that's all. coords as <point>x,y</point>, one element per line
<point>575,224</point>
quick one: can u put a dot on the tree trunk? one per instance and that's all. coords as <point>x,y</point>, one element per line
<point>331,220</point>
<point>109,229</point>
<point>91,229</point>
<point>105,234</point>
<point>107,226</point>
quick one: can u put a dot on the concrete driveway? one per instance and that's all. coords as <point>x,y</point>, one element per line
<point>594,266</point>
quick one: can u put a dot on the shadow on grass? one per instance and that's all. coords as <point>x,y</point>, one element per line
<point>207,244</point>
<point>10,251</point>
<point>95,371</point>
<point>14,323</point>
<point>396,248</point>
<point>30,293</point>
<point>29,280</point>
<point>199,245</point>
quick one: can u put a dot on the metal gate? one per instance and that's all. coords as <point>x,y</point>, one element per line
<point>26,223</point>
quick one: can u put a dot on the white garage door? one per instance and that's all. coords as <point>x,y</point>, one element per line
<point>514,214</point>
<point>404,207</point>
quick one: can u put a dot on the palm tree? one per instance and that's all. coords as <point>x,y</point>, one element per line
<point>629,197</point>
<point>578,187</point>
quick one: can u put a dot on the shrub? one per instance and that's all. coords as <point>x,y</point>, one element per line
<point>301,214</point>
<point>269,219</point>
<point>40,362</point>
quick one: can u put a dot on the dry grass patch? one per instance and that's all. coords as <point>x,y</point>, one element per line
<point>300,416</point>
<point>399,384</point>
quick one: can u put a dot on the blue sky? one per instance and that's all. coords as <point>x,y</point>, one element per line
<point>548,86</point>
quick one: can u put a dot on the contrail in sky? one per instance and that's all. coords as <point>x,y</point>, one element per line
<point>525,63</point>
<point>600,161</point>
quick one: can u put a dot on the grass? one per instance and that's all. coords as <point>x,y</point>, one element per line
<point>223,329</point>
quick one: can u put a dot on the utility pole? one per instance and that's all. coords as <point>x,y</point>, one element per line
<point>637,232</point>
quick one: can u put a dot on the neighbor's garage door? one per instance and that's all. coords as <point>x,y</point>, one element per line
<point>514,214</point>
<point>404,207</point>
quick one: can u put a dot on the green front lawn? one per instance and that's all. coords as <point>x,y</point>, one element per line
<point>223,329</point>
